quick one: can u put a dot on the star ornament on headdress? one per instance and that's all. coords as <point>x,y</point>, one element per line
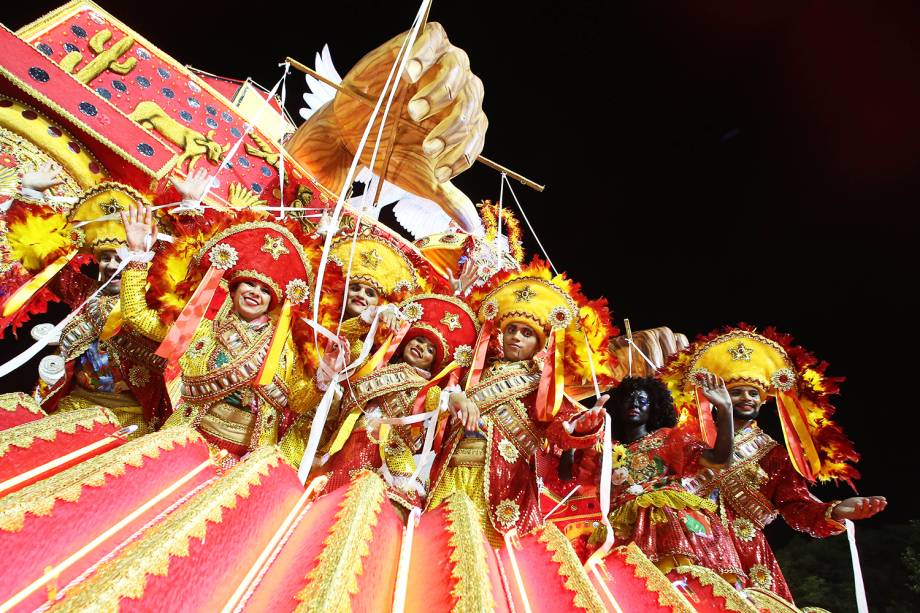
<point>371,259</point>
<point>274,246</point>
<point>525,294</point>
<point>741,352</point>
<point>452,321</point>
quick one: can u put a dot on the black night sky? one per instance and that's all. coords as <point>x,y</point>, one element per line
<point>706,163</point>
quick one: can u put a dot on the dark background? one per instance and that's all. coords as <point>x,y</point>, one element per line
<point>706,163</point>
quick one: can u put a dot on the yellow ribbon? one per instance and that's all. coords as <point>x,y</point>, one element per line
<point>348,424</point>
<point>797,435</point>
<point>282,330</point>
<point>112,323</point>
<point>27,290</point>
<point>559,374</point>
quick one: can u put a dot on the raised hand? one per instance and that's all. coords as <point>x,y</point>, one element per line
<point>859,507</point>
<point>715,391</point>
<point>467,277</point>
<point>45,177</point>
<point>139,224</point>
<point>192,187</point>
<point>443,100</point>
<point>465,410</point>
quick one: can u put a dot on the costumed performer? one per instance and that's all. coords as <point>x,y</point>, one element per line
<point>436,348</point>
<point>240,372</point>
<point>519,396</point>
<point>649,505</point>
<point>763,479</point>
<point>101,360</point>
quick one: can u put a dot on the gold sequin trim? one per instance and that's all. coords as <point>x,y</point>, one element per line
<point>125,576</point>
<point>472,589</point>
<point>508,451</point>
<point>39,499</point>
<point>334,579</point>
<point>720,587</point>
<point>18,400</point>
<point>655,581</point>
<point>47,429</point>
<point>576,579</point>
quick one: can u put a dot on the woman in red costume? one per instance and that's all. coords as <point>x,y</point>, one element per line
<point>438,342</point>
<point>650,506</point>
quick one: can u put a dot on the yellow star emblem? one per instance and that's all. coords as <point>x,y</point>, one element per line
<point>371,259</point>
<point>525,294</point>
<point>740,352</point>
<point>451,320</point>
<point>274,246</point>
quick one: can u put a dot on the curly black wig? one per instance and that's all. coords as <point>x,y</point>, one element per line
<point>661,406</point>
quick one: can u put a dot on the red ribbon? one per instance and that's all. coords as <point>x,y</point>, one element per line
<point>479,353</point>
<point>182,331</point>
<point>704,415</point>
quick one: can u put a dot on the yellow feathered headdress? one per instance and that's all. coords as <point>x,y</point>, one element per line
<point>574,331</point>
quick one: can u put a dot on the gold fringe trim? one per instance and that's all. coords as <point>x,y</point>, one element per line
<point>39,498</point>
<point>623,518</point>
<point>576,579</point>
<point>16,400</point>
<point>334,580</point>
<point>472,589</point>
<point>734,601</point>
<point>768,601</point>
<point>125,576</point>
<point>48,428</point>
<point>655,581</point>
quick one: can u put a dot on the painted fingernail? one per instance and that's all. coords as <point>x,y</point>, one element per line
<point>442,173</point>
<point>433,147</point>
<point>418,109</point>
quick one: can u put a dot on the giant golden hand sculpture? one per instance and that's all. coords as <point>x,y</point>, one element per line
<point>442,98</point>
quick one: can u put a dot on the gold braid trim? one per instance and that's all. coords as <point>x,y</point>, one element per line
<point>655,581</point>
<point>48,428</point>
<point>125,576</point>
<point>576,579</point>
<point>623,518</point>
<point>770,602</point>
<point>334,579</point>
<point>18,400</point>
<point>720,587</point>
<point>39,498</point>
<point>472,588</point>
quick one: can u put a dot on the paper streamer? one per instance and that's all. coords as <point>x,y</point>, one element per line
<point>862,604</point>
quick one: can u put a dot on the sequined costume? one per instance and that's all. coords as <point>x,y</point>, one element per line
<point>496,468</point>
<point>220,397</point>
<point>765,479</point>
<point>760,485</point>
<point>651,508</point>
<point>120,373</point>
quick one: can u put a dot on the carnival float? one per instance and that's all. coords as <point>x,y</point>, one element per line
<point>268,400</point>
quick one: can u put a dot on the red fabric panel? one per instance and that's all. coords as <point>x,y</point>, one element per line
<point>47,540</point>
<point>18,460</point>
<point>215,566</point>
<point>629,590</point>
<point>378,576</point>
<point>700,596</point>
<point>430,580</point>
<point>287,574</point>
<point>16,417</point>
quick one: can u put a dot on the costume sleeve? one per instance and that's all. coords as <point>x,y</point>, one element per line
<point>682,452</point>
<point>557,435</point>
<point>798,506</point>
<point>134,307</point>
<point>72,286</point>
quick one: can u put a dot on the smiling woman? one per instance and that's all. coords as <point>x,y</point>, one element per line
<point>224,394</point>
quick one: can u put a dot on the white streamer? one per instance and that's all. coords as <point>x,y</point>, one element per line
<point>862,604</point>
<point>11,365</point>
<point>287,69</point>
<point>633,345</point>
<point>606,478</point>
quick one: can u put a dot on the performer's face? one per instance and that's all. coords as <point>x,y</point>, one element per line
<point>251,299</point>
<point>108,264</point>
<point>419,352</point>
<point>519,342</point>
<point>360,296</point>
<point>635,408</point>
<point>746,401</point>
